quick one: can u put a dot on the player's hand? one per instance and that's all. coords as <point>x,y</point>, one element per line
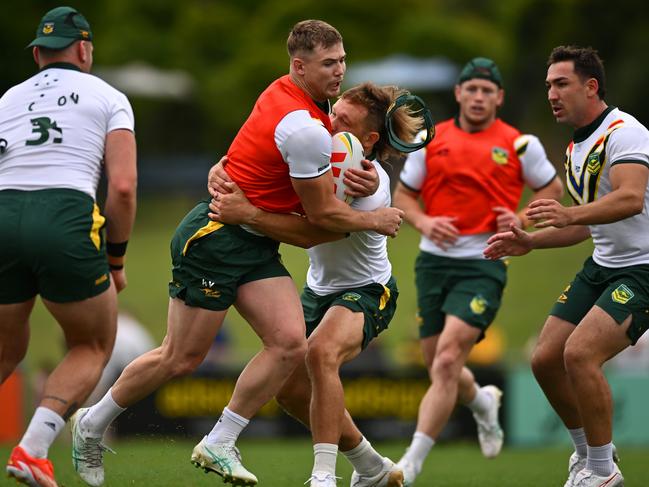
<point>439,229</point>
<point>119,278</point>
<point>389,221</point>
<point>217,178</point>
<point>361,182</point>
<point>232,207</point>
<point>506,218</point>
<point>549,213</point>
<point>512,243</point>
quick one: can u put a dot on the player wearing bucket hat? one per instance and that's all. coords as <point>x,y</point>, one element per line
<point>61,128</point>
<point>60,27</point>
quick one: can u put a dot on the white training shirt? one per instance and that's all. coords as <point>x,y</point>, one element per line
<point>358,260</point>
<point>537,172</point>
<point>589,161</point>
<point>55,125</point>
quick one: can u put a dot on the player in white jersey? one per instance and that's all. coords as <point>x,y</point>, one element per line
<point>349,297</point>
<point>57,131</point>
<point>603,310</point>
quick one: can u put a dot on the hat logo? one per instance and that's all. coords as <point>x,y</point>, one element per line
<point>48,28</point>
<point>84,34</point>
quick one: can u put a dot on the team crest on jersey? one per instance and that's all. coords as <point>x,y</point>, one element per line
<point>351,297</point>
<point>622,294</point>
<point>48,27</point>
<point>594,163</point>
<point>478,305</point>
<point>499,155</point>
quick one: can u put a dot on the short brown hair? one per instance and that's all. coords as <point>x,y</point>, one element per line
<point>587,64</point>
<point>377,100</point>
<point>309,34</point>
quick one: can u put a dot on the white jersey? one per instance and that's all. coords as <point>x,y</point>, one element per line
<point>615,137</point>
<point>358,260</point>
<point>53,129</point>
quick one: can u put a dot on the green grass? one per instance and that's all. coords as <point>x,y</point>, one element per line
<point>278,463</point>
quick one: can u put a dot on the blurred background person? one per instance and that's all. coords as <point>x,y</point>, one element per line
<point>470,179</point>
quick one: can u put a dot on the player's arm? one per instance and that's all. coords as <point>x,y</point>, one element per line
<point>516,241</point>
<point>440,229</point>
<point>626,199</point>
<point>234,208</point>
<point>307,150</point>
<point>121,173</point>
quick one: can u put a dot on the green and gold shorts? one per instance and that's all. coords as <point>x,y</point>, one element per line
<point>211,260</point>
<point>52,244</point>
<point>619,291</point>
<point>378,304</point>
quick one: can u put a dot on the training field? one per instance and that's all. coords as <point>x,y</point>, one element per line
<point>278,463</point>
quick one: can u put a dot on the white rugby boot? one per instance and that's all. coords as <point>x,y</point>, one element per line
<point>587,478</point>
<point>322,479</point>
<point>577,463</point>
<point>409,470</point>
<point>490,434</point>
<point>223,459</point>
<point>87,451</point>
<point>389,476</point>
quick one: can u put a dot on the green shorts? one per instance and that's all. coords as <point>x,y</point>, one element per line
<point>211,260</point>
<point>470,289</point>
<point>377,302</point>
<point>52,244</point>
<point>620,292</point>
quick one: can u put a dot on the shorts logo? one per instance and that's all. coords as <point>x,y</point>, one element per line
<point>351,297</point>
<point>101,279</point>
<point>478,305</point>
<point>622,294</point>
<point>207,289</point>
<point>499,155</point>
<point>48,27</point>
<point>563,297</point>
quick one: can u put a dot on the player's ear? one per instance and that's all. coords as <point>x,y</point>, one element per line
<point>298,65</point>
<point>36,53</point>
<point>370,139</point>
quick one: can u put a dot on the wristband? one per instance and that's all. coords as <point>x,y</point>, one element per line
<point>115,267</point>
<point>116,249</point>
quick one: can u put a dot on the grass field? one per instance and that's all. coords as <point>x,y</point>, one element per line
<point>279,463</point>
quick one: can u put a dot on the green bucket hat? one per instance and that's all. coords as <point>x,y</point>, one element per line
<point>60,27</point>
<point>483,68</point>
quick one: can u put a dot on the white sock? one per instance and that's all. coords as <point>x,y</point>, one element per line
<point>41,432</point>
<point>600,459</point>
<point>578,436</point>
<point>481,402</point>
<point>101,415</point>
<point>364,458</point>
<point>228,428</point>
<point>419,449</point>
<point>325,458</point>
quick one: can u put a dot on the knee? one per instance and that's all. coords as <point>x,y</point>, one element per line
<point>291,349</point>
<point>545,360</point>
<point>575,357</point>
<point>447,365</point>
<point>321,358</point>
<point>179,363</point>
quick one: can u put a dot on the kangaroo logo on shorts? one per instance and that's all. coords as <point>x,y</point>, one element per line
<point>478,305</point>
<point>563,297</point>
<point>351,297</point>
<point>622,294</point>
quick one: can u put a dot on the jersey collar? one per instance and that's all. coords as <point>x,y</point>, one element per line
<point>61,65</point>
<point>582,133</point>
